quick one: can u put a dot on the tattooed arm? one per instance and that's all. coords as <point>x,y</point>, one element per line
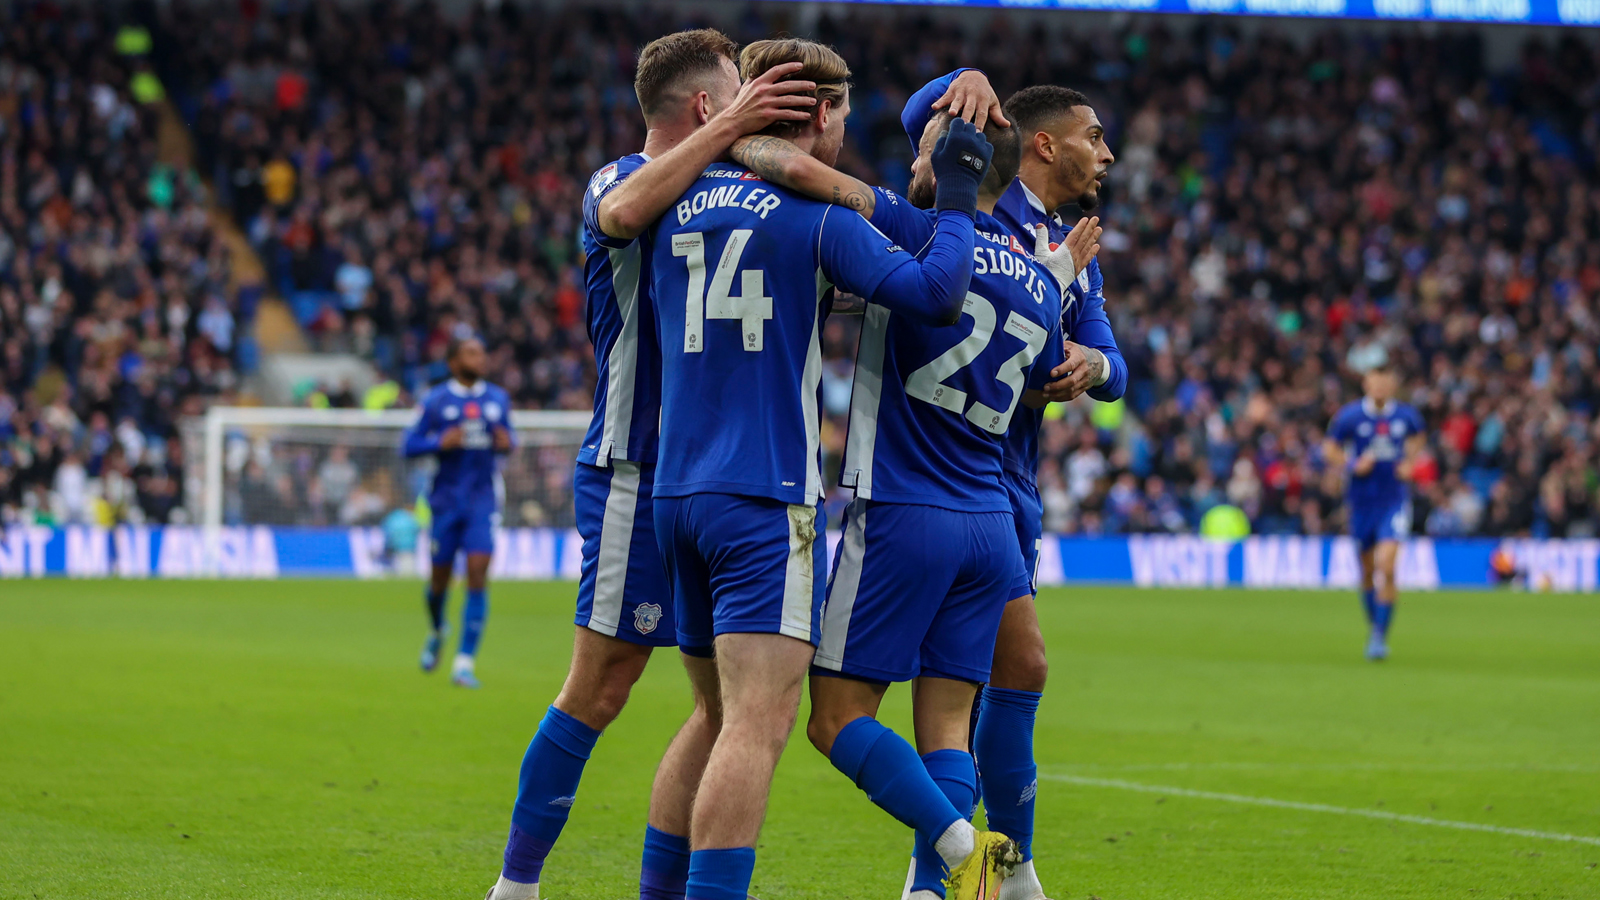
<point>780,162</point>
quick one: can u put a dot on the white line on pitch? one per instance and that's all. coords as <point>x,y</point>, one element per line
<point>1316,807</point>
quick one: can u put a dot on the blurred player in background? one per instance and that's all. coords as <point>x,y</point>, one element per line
<point>739,488</point>
<point>688,89</point>
<point>466,424</point>
<point>1376,440</point>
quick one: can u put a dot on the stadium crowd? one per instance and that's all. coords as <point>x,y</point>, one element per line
<point>117,309</point>
<point>1281,217</point>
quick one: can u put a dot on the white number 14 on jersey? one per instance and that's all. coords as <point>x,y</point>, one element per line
<point>751,307</point>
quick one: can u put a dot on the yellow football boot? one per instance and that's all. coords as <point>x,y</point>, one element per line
<point>993,858</point>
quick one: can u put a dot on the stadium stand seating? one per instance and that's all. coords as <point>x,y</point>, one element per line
<point>1281,215</point>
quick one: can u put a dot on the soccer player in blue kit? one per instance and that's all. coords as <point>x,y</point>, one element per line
<point>742,273</point>
<point>1063,159</point>
<point>466,424</point>
<point>1376,440</point>
<point>929,556</point>
<point>694,107</point>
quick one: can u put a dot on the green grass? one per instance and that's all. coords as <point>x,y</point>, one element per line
<point>222,740</point>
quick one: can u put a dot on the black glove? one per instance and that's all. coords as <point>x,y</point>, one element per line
<point>960,160</point>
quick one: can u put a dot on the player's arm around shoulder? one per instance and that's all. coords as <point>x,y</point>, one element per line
<point>782,163</point>
<point>633,206</point>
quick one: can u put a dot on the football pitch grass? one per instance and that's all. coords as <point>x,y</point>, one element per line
<point>246,739</point>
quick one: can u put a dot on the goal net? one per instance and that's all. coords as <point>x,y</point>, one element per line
<point>343,467</point>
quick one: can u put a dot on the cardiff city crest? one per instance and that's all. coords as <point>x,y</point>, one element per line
<point>646,616</point>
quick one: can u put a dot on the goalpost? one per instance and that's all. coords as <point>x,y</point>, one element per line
<point>343,467</point>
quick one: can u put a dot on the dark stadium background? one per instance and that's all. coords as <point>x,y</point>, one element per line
<point>188,188</point>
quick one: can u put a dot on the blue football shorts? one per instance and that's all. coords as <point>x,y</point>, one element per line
<point>742,565</point>
<point>1028,512</point>
<point>468,531</point>
<point>1372,525</point>
<point>918,590</point>
<point>623,591</point>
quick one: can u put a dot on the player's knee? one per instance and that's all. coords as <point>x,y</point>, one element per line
<point>821,731</point>
<point>1025,671</point>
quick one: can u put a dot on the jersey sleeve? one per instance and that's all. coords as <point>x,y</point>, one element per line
<point>901,222</point>
<point>1419,428</point>
<point>505,419</point>
<point>1094,330</point>
<point>859,258</point>
<point>855,255</point>
<point>1339,428</point>
<point>1053,354</point>
<point>422,438</point>
<point>919,109</point>
<point>602,183</point>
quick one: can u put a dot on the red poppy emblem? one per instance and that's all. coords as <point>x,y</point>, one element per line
<point>471,411</point>
<point>1383,427</point>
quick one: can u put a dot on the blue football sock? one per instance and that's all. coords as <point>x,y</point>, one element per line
<point>1003,745</point>
<point>881,763</point>
<point>1369,602</point>
<point>545,792</point>
<point>955,774</point>
<point>721,874</point>
<point>972,732</point>
<point>436,607</point>
<point>664,875</point>
<point>1382,613</point>
<point>473,614</point>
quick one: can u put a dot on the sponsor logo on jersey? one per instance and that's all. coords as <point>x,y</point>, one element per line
<point>603,179</point>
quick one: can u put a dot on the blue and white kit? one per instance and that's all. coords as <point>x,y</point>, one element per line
<point>929,552</point>
<point>1083,321</point>
<point>623,590</point>
<point>1380,502</point>
<point>743,270</point>
<point>467,492</point>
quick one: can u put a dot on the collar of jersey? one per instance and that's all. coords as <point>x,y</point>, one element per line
<point>1370,407</point>
<point>461,390</point>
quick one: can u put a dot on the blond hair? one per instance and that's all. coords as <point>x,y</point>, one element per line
<point>822,65</point>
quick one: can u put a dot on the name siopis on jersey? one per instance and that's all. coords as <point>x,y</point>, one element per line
<point>757,200</point>
<point>986,262</point>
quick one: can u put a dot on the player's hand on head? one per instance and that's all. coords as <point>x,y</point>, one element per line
<point>960,161</point>
<point>451,439</point>
<point>768,98</point>
<point>971,97</point>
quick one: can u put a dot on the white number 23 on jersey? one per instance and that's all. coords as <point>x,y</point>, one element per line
<point>751,307</point>
<point>927,383</point>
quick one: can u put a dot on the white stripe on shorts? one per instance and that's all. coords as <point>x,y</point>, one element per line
<point>842,590</point>
<point>616,539</point>
<point>799,578</point>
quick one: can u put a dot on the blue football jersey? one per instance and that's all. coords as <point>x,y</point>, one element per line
<point>622,328</point>
<point>468,477</point>
<point>931,405</point>
<point>1083,321</point>
<point>1361,427</point>
<point>1083,313</point>
<point>741,273</point>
